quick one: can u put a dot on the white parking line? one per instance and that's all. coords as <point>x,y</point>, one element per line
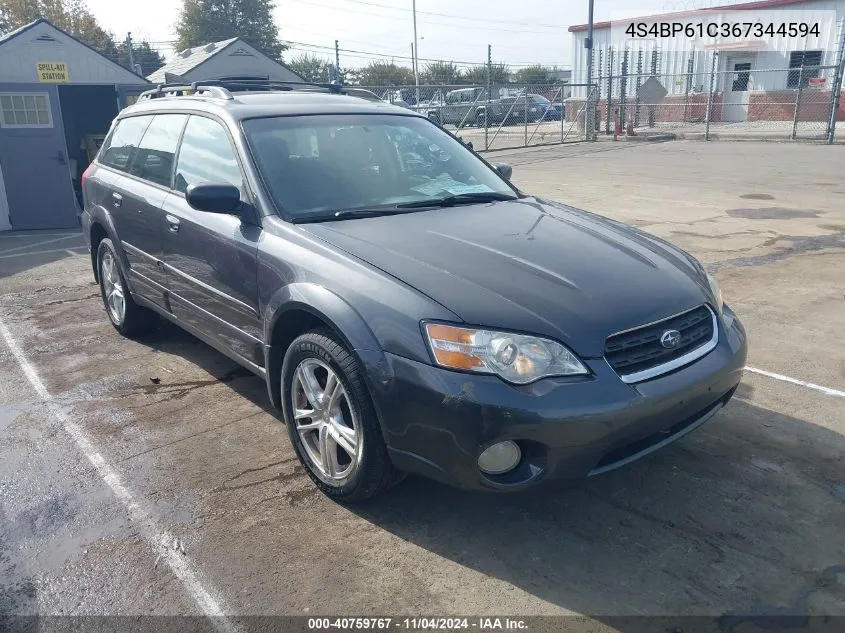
<point>6,251</point>
<point>160,540</point>
<point>49,252</point>
<point>795,381</point>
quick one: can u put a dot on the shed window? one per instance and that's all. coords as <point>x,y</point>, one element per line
<point>811,60</point>
<point>25,110</point>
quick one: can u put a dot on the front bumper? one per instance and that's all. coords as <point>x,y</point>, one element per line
<point>436,422</point>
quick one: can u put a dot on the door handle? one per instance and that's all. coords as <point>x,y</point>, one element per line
<point>116,199</point>
<point>172,223</point>
<point>60,157</point>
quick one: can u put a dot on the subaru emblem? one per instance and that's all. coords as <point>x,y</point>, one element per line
<point>670,339</point>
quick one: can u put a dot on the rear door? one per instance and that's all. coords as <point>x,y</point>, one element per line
<point>141,154</point>
<point>212,258</point>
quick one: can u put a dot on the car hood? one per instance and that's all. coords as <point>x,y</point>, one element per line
<point>529,265</point>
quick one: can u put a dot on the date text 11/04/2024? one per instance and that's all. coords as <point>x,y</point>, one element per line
<point>722,29</point>
<point>417,624</point>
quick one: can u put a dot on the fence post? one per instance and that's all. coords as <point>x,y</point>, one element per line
<point>609,98</point>
<point>638,84</point>
<point>623,90</point>
<point>652,109</point>
<point>598,96</point>
<point>797,101</point>
<point>562,113</point>
<point>837,85</point>
<point>525,116</point>
<point>709,114</point>
<point>489,93</point>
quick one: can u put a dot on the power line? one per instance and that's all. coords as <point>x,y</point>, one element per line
<point>457,17</point>
<point>402,19</point>
<point>294,46</point>
<point>358,54</point>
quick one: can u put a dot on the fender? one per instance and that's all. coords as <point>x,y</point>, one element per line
<point>102,217</point>
<point>340,316</point>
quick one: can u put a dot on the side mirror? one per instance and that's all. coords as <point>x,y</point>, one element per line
<point>214,197</point>
<point>505,170</point>
<point>469,144</point>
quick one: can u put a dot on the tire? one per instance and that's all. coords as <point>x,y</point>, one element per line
<point>342,475</point>
<point>481,118</point>
<point>134,320</point>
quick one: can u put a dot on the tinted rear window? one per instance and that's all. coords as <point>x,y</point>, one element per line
<point>120,148</point>
<point>153,158</point>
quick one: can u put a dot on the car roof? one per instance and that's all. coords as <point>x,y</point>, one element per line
<point>247,105</point>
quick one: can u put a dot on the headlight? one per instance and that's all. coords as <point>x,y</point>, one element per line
<point>717,292</point>
<point>514,357</point>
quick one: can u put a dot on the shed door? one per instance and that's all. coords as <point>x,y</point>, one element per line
<point>39,191</point>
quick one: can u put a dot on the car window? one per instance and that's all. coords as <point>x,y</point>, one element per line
<point>153,159</point>
<point>118,150</point>
<point>206,155</point>
<point>362,161</point>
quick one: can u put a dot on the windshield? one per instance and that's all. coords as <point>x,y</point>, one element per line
<point>539,99</point>
<point>317,165</point>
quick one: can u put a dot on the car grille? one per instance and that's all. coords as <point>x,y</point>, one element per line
<point>640,349</point>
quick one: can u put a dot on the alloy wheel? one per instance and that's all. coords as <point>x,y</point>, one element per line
<point>326,422</point>
<point>113,288</point>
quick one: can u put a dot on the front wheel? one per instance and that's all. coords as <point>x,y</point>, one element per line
<point>331,420</point>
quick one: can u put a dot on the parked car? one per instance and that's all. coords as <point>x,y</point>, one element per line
<point>409,308</point>
<point>548,111</point>
<point>520,109</point>
<point>466,106</point>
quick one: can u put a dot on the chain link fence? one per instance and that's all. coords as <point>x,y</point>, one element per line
<point>500,117</point>
<point>720,95</point>
<point>799,103</point>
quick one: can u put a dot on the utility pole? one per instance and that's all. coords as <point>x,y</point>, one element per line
<point>416,52</point>
<point>129,48</point>
<point>589,125</point>
<point>337,62</point>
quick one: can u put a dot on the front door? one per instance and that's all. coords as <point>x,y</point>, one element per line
<point>211,258</point>
<point>737,84</point>
<point>36,167</point>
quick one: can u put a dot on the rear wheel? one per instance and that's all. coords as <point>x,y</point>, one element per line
<point>331,420</point>
<point>125,315</point>
<point>481,118</point>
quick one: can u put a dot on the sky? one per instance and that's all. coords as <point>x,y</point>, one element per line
<point>521,32</point>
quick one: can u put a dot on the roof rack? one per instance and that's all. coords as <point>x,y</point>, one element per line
<point>223,88</point>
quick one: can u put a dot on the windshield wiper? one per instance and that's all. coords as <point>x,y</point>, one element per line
<point>460,198</point>
<point>346,214</point>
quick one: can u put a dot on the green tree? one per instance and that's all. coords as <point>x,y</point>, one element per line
<point>535,75</point>
<point>204,21</point>
<point>149,58</point>
<point>71,16</point>
<point>441,73</point>
<point>311,67</point>
<point>384,74</point>
<point>499,74</point>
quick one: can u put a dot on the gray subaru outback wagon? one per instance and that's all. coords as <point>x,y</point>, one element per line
<point>409,308</point>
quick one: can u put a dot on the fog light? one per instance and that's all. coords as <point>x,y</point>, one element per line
<point>499,458</point>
